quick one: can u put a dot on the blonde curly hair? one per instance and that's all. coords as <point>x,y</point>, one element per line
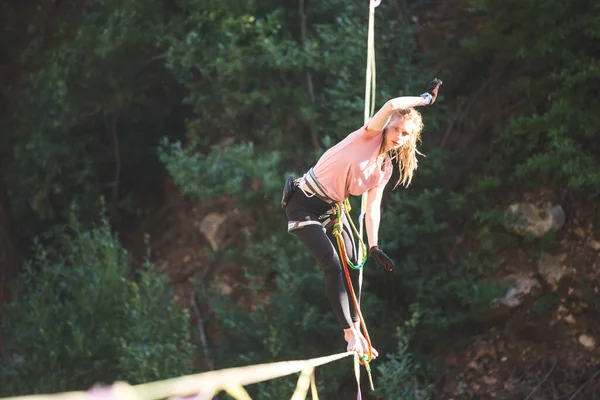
<point>407,154</point>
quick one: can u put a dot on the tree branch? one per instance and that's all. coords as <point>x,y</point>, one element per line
<point>584,385</point>
<point>201,331</point>
<point>543,380</point>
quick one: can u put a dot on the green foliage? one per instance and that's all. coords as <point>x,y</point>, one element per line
<point>404,375</point>
<point>235,171</point>
<point>262,73</point>
<point>554,140</point>
<point>263,81</point>
<point>541,62</point>
<point>94,105</point>
<point>79,319</point>
<point>444,294</point>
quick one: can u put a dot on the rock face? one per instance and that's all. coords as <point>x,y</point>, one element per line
<point>551,270</point>
<point>520,289</point>
<point>587,341</point>
<point>526,218</point>
<point>593,244</point>
<point>211,227</point>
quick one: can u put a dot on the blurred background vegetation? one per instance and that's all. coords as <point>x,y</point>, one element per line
<point>114,110</point>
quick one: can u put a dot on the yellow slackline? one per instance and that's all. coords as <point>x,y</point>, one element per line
<point>236,391</point>
<point>206,385</point>
<point>304,382</point>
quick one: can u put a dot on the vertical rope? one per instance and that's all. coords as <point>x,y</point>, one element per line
<point>370,83</point>
<point>370,86</point>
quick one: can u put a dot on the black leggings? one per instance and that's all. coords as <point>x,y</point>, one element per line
<point>323,246</point>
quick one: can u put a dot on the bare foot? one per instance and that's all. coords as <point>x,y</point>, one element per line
<point>358,343</point>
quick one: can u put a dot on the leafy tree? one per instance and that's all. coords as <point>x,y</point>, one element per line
<point>551,139</point>
<point>527,78</point>
<point>79,319</point>
<point>94,104</point>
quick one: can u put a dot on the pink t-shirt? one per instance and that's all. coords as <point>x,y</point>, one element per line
<point>350,167</point>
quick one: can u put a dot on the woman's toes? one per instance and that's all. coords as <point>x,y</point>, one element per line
<point>374,353</point>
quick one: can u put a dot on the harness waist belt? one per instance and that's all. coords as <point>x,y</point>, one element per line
<point>311,186</point>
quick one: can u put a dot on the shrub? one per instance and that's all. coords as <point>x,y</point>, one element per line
<point>78,319</point>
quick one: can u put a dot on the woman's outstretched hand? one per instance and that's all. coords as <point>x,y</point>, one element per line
<point>381,259</point>
<point>432,91</point>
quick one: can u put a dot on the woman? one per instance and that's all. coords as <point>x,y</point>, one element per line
<point>360,163</point>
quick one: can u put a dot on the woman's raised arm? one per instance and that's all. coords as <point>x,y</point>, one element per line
<point>381,118</point>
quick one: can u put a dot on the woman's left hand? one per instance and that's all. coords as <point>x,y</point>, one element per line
<point>381,259</point>
<point>432,91</point>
